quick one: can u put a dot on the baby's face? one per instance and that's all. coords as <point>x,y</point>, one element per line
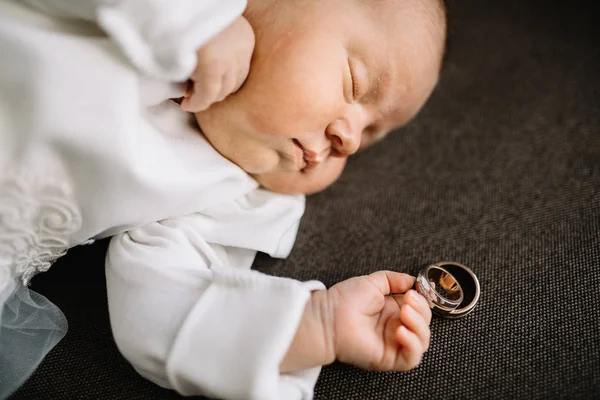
<point>327,78</point>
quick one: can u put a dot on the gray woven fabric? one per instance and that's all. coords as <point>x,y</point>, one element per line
<point>501,172</point>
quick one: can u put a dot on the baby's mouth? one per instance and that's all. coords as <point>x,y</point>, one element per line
<point>309,158</point>
<point>300,159</point>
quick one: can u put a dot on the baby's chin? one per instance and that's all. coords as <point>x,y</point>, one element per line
<point>302,182</point>
<point>287,183</point>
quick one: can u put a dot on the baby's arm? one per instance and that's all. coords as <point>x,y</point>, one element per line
<point>186,322</point>
<point>159,37</point>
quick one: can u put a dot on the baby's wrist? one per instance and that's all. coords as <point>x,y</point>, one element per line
<point>313,344</point>
<point>323,311</point>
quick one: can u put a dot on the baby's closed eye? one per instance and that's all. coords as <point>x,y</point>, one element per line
<point>353,80</point>
<point>357,78</point>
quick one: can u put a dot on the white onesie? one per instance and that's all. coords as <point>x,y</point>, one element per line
<point>91,148</point>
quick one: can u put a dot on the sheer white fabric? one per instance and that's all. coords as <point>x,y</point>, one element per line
<point>30,326</point>
<point>37,216</point>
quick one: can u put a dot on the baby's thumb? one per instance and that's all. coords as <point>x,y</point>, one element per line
<point>392,282</point>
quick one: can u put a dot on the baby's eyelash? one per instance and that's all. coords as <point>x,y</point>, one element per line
<point>354,84</point>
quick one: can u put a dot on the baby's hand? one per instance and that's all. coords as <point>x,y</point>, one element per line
<point>375,331</point>
<point>223,65</point>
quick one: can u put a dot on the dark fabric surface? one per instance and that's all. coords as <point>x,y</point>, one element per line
<point>501,171</point>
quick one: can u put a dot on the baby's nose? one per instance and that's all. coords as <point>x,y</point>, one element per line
<point>345,139</point>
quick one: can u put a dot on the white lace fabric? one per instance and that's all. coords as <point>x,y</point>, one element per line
<point>38,216</point>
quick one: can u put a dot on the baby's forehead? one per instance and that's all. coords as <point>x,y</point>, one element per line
<point>431,13</point>
<point>422,22</point>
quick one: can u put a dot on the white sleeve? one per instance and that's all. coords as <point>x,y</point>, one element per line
<point>160,37</point>
<point>188,323</point>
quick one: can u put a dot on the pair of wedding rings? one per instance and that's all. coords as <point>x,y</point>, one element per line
<point>451,289</point>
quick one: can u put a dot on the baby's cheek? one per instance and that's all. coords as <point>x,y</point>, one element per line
<point>265,121</point>
<point>286,112</point>
<point>292,93</point>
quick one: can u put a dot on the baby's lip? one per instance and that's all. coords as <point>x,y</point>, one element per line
<point>309,157</point>
<point>299,160</point>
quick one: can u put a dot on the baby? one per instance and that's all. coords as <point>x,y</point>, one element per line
<point>283,91</point>
<point>328,78</point>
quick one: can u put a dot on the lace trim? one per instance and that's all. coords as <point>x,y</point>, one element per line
<point>38,215</point>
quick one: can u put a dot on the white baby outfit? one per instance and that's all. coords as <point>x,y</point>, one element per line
<point>90,147</point>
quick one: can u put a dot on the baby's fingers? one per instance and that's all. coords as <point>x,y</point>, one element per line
<point>415,322</point>
<point>202,93</point>
<point>419,303</point>
<point>232,81</point>
<point>410,349</point>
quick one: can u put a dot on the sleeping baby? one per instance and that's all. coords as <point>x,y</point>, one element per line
<point>189,131</point>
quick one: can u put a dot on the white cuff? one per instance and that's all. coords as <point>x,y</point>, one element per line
<point>255,312</point>
<point>187,322</point>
